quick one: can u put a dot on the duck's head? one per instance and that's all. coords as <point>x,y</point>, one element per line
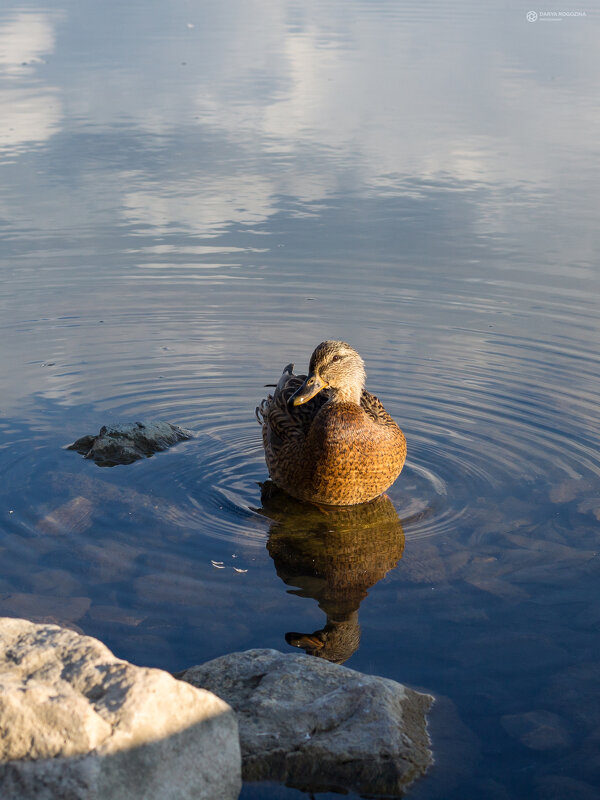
<point>335,366</point>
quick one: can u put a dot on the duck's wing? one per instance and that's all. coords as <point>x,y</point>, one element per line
<point>374,408</point>
<point>282,422</point>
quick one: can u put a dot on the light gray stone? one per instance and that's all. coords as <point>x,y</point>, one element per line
<point>320,726</point>
<point>127,442</point>
<point>79,723</point>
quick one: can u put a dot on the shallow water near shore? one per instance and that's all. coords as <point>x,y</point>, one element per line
<point>192,196</point>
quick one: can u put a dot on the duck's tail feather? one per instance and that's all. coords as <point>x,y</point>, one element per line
<point>263,407</point>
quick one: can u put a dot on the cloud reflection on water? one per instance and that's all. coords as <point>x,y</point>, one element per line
<point>31,110</point>
<point>264,102</point>
<point>401,137</point>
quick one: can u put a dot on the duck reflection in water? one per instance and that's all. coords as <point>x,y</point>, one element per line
<point>334,555</point>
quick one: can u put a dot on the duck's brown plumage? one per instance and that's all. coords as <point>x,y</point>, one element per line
<point>327,440</point>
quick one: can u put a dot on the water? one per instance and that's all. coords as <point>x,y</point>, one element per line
<point>195,194</point>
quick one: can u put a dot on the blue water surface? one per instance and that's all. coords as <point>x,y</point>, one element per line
<point>194,194</point>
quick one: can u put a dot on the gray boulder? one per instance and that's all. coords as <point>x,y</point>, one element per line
<point>79,723</point>
<point>127,442</point>
<point>319,726</point>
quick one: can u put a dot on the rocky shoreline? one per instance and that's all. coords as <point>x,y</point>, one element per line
<point>79,723</point>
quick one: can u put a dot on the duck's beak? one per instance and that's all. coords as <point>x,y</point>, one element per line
<point>311,386</point>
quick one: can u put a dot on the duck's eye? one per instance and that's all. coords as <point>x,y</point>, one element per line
<point>336,358</point>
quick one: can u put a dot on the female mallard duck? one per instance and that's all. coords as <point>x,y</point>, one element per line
<point>326,439</point>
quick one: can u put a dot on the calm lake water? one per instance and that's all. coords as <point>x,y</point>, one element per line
<point>192,195</point>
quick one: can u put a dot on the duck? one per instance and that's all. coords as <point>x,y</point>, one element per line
<point>327,440</point>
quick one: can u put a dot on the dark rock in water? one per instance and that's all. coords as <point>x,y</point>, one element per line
<point>318,726</point>
<point>125,443</point>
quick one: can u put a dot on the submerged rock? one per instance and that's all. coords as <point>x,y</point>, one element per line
<point>127,442</point>
<point>78,723</point>
<point>75,516</point>
<point>538,730</point>
<point>319,726</point>
<point>48,608</point>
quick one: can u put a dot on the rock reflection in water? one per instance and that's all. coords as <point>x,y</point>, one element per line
<point>333,555</point>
